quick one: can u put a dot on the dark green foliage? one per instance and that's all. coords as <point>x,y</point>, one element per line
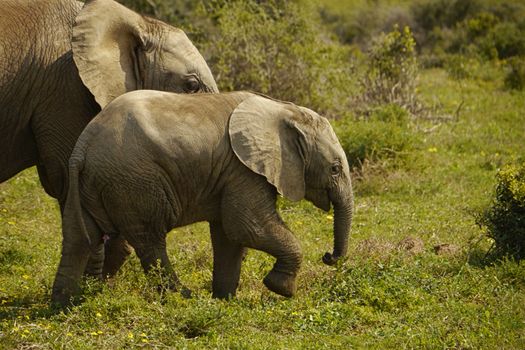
<point>486,29</point>
<point>505,218</point>
<point>515,78</point>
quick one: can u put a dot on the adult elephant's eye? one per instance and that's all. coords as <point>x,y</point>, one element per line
<point>335,169</point>
<point>192,85</point>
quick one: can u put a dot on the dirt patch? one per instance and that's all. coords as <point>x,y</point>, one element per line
<point>413,245</point>
<point>446,249</point>
<point>373,246</point>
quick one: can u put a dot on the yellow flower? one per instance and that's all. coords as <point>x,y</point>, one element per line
<point>26,277</point>
<point>11,222</point>
<point>69,334</point>
<point>98,314</point>
<point>100,332</point>
<point>143,335</point>
<point>94,334</point>
<point>432,149</point>
<point>130,335</point>
<point>330,217</point>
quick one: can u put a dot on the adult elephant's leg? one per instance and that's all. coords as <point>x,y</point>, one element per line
<point>227,259</point>
<point>151,250</point>
<point>116,250</point>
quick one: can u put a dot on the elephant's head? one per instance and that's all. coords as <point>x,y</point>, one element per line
<point>117,50</point>
<point>298,152</point>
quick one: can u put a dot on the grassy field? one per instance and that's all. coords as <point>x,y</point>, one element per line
<point>417,275</point>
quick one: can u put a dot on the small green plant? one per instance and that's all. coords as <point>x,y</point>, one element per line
<point>505,218</point>
<point>515,78</point>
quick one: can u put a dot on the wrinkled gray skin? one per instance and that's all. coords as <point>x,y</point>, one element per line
<point>61,62</point>
<point>152,161</point>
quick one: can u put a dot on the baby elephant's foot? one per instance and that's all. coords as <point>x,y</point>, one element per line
<point>281,283</point>
<point>178,287</point>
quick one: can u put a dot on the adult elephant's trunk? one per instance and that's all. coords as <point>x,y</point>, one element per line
<point>342,202</point>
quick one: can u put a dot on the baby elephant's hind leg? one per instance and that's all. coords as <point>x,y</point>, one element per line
<point>76,250</point>
<point>151,250</point>
<point>117,250</point>
<point>227,259</point>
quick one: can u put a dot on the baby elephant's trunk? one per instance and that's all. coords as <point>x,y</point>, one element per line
<point>342,202</point>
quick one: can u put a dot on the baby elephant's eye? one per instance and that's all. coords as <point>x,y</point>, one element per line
<point>335,169</point>
<point>192,85</point>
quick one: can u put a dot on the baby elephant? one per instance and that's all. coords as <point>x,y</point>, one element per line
<point>152,161</point>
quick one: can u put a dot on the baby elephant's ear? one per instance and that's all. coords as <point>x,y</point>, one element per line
<point>264,135</point>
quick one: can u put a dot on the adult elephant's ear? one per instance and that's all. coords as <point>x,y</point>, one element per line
<point>267,138</point>
<point>106,36</point>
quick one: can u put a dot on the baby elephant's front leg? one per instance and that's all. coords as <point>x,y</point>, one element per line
<point>151,250</point>
<point>282,244</point>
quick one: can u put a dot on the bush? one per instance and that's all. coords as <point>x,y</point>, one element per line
<point>508,40</point>
<point>461,67</point>
<point>505,218</point>
<point>515,78</point>
<point>384,134</point>
<point>392,72</point>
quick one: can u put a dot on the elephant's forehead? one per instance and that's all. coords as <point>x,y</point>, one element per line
<point>178,42</point>
<point>327,131</point>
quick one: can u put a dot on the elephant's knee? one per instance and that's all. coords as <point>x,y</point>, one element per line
<point>289,262</point>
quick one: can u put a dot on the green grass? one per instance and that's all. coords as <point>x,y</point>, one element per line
<point>383,296</point>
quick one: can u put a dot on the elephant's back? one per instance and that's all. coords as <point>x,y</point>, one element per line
<point>41,27</point>
<point>34,34</point>
<point>154,119</point>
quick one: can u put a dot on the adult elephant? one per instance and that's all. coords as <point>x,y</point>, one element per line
<point>61,61</point>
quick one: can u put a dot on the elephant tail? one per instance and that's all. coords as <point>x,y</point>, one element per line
<point>73,223</point>
<point>73,219</point>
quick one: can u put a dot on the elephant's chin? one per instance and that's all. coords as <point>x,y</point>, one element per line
<point>321,200</point>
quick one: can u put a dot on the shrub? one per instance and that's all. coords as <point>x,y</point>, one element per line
<point>515,78</point>
<point>505,218</point>
<point>386,133</point>
<point>391,73</point>
<point>508,40</point>
<point>460,67</point>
